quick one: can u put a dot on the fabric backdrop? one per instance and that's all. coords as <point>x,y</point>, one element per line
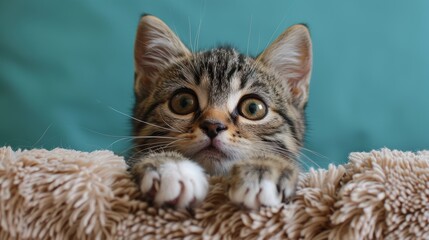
<point>66,68</point>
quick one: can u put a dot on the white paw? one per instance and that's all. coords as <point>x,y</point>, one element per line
<point>178,183</point>
<point>254,187</point>
<point>253,194</point>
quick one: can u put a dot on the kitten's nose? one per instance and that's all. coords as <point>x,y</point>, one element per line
<point>212,128</point>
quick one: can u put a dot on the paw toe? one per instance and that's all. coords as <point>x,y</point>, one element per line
<point>150,182</point>
<point>269,195</point>
<point>170,189</point>
<point>186,195</point>
<point>251,198</point>
<point>254,195</point>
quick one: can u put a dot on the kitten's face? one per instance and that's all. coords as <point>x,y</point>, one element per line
<point>219,106</point>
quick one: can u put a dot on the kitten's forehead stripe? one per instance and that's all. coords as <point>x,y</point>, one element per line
<point>232,68</point>
<point>220,66</point>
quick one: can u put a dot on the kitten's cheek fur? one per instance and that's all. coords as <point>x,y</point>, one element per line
<point>180,183</point>
<point>262,183</point>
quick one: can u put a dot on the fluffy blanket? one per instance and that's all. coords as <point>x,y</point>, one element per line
<point>66,194</point>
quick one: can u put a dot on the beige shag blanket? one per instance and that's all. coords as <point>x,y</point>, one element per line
<point>66,194</point>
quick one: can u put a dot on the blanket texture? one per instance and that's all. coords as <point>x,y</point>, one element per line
<point>66,194</point>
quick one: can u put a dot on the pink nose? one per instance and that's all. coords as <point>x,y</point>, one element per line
<point>212,128</point>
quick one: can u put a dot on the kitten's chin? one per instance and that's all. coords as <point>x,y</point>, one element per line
<point>214,161</point>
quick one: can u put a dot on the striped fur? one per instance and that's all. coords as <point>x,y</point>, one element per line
<point>220,78</point>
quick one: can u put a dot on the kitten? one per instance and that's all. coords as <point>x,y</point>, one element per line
<point>218,112</point>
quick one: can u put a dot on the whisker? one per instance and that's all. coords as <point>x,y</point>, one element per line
<point>257,60</point>
<point>298,159</point>
<point>148,123</point>
<point>308,158</point>
<point>275,31</point>
<point>140,151</point>
<point>162,118</point>
<point>158,137</point>
<point>259,42</point>
<point>281,151</point>
<point>315,153</point>
<point>154,148</point>
<point>141,137</point>
<point>287,153</point>
<point>148,144</point>
<point>119,140</point>
<point>248,37</point>
<point>132,137</point>
<point>190,34</point>
<point>171,144</point>
<point>197,37</point>
<point>199,26</point>
<point>43,135</point>
<point>127,150</point>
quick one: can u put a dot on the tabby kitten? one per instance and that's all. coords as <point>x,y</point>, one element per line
<point>218,112</point>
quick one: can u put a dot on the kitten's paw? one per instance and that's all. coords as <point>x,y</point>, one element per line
<point>259,184</point>
<point>180,184</point>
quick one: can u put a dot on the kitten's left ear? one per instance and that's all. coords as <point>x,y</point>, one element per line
<point>290,55</point>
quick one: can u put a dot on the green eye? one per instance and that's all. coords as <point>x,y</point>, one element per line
<point>253,109</point>
<point>183,103</point>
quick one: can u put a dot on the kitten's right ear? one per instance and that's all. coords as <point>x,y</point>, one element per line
<point>155,47</point>
<point>291,56</point>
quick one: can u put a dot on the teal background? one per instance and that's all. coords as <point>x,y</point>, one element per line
<point>65,64</point>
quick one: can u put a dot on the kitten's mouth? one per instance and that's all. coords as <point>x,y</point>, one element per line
<point>211,152</point>
<point>211,148</point>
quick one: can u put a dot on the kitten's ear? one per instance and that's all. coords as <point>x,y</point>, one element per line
<point>290,55</point>
<point>155,47</point>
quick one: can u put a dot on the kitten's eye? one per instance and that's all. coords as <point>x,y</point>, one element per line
<point>183,103</point>
<point>253,108</point>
